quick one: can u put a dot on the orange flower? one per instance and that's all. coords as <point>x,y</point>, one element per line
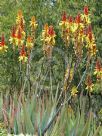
<point>20,18</point>
<point>89,29</point>
<point>78,19</point>
<point>51,36</point>
<point>51,31</point>
<point>3,47</point>
<point>20,23</point>
<point>85,16</point>
<point>13,36</point>
<point>73,26</point>
<point>89,84</point>
<point>86,11</point>
<point>64,17</point>
<point>48,35</point>
<point>46,27</point>
<point>19,37</point>
<point>98,70</point>
<point>45,33</point>
<point>23,56</point>
<point>29,43</point>
<point>19,34</point>
<point>64,22</point>
<point>48,38</point>
<point>90,40</point>
<point>70,19</point>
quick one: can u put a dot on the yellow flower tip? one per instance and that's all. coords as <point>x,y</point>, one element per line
<point>61,23</point>
<point>19,42</point>
<point>74,27</point>
<point>64,24</point>
<point>74,91</point>
<point>23,34</point>
<point>12,41</point>
<point>3,48</point>
<point>0,48</point>
<point>92,49</point>
<point>95,72</point>
<point>23,58</point>
<point>29,45</point>
<point>33,22</point>
<point>90,88</point>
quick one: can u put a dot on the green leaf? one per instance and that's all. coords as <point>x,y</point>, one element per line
<point>86,129</point>
<point>28,124</point>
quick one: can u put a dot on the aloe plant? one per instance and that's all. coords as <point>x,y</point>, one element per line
<point>40,116</point>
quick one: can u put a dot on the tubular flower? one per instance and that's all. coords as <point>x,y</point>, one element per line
<point>19,38</point>
<point>78,21</point>
<point>64,21</point>
<point>78,39</point>
<point>74,91</point>
<point>89,84</point>
<point>90,41</point>
<point>33,23</point>
<point>21,30</point>
<point>86,11</point>
<point>20,18</point>
<point>66,37</point>
<point>78,49</point>
<point>70,19</point>
<point>23,56</point>
<point>44,36</point>
<point>65,27</point>
<point>13,36</point>
<point>92,50</point>
<point>20,24</point>
<point>81,36</point>
<point>29,43</point>
<point>48,35</point>
<point>45,32</point>
<point>77,24</point>
<point>73,25</point>
<point>51,36</point>
<point>90,37</point>
<point>3,47</point>
<point>85,16</point>
<point>98,70</point>
<point>48,38</point>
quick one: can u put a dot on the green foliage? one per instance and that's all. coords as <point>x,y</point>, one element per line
<point>32,115</point>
